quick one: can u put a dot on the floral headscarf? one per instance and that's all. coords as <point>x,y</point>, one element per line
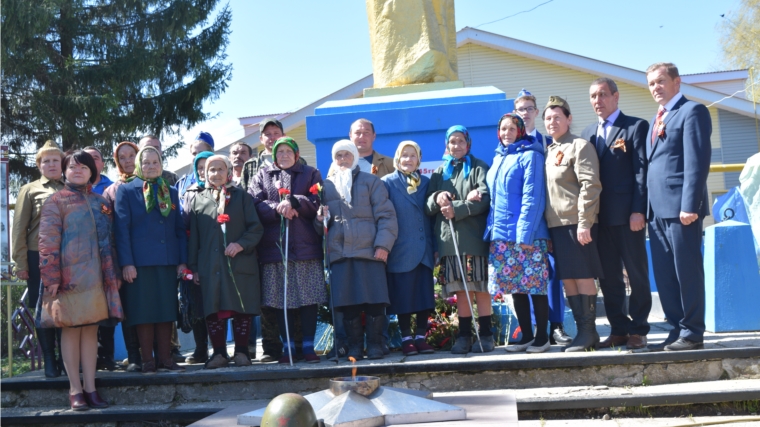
<point>412,179</point>
<point>518,121</point>
<point>344,179</point>
<point>122,174</point>
<point>202,155</point>
<point>449,160</point>
<point>220,193</point>
<point>163,195</point>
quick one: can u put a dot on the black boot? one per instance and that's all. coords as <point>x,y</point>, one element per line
<point>355,333</point>
<point>61,365</point>
<point>133,348</point>
<point>558,334</point>
<point>200,334</point>
<point>587,337</point>
<point>375,338</point>
<point>46,337</point>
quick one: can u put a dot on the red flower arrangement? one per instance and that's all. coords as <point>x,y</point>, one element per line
<point>283,192</point>
<point>223,218</point>
<point>315,189</point>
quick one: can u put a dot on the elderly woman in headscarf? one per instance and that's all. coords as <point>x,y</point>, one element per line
<point>458,193</point>
<point>362,229</point>
<point>410,264</point>
<point>79,274</point>
<point>517,229</point>
<point>152,248</point>
<point>124,156</point>
<point>306,286</point>
<point>224,232</point>
<point>26,228</point>
<point>195,296</point>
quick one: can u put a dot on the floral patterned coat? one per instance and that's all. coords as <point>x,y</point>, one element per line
<point>77,253</point>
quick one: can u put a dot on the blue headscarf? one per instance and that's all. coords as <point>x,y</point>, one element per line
<point>449,160</point>
<point>202,155</point>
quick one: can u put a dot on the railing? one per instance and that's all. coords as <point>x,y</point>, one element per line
<point>20,326</point>
<point>734,167</point>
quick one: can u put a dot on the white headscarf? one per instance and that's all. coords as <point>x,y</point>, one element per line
<point>343,178</point>
<point>220,193</point>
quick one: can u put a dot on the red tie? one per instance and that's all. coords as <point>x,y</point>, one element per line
<point>656,127</point>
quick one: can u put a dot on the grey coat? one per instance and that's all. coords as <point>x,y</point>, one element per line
<point>356,230</point>
<point>207,252</point>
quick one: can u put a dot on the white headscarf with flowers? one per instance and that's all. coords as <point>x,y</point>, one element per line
<point>220,193</point>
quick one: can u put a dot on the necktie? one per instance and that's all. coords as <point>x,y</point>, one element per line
<point>656,126</point>
<point>600,139</point>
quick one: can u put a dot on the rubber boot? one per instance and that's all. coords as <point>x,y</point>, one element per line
<point>355,333</point>
<point>587,337</point>
<point>375,338</point>
<point>46,338</point>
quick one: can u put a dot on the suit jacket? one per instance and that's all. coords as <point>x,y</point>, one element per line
<point>147,239</point>
<point>679,161</point>
<point>622,172</point>
<point>414,244</point>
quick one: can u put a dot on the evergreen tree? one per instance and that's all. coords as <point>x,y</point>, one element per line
<point>96,72</point>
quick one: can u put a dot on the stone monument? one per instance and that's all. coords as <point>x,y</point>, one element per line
<point>413,42</point>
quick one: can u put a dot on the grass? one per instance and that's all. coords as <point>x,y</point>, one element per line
<point>21,365</point>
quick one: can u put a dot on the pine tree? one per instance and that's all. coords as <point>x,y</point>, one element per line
<point>96,72</point>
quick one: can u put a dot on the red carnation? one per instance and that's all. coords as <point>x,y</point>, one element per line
<point>314,189</point>
<point>283,192</point>
<point>223,218</point>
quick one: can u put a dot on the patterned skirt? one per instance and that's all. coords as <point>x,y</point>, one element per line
<point>475,268</point>
<point>515,271</point>
<point>306,284</point>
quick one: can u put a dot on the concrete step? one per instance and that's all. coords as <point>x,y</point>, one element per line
<point>546,399</point>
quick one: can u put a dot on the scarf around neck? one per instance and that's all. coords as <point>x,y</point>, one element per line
<point>162,196</point>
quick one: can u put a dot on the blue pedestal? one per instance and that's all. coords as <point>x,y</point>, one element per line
<point>732,281</point>
<point>422,117</point>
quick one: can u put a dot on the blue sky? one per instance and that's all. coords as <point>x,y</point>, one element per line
<point>289,53</point>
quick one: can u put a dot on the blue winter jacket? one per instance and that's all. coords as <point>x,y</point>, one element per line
<point>517,185</point>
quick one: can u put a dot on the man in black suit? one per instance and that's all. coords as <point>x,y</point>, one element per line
<point>620,142</point>
<point>678,155</point>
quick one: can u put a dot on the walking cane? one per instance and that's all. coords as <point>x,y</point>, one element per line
<point>328,285</point>
<point>461,271</point>
<point>285,305</point>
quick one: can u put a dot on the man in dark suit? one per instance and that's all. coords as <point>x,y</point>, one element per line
<point>620,142</point>
<point>678,155</point>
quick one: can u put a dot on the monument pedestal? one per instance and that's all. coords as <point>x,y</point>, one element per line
<point>422,117</point>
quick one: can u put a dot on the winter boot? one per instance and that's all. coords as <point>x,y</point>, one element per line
<point>355,333</point>
<point>587,337</point>
<point>46,338</point>
<point>375,339</point>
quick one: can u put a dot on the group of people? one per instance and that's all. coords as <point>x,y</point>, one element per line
<point>549,213</point>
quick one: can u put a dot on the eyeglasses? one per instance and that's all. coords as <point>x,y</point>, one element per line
<point>527,109</point>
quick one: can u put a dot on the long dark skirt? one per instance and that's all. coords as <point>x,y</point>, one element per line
<point>359,281</point>
<point>152,297</point>
<point>411,291</point>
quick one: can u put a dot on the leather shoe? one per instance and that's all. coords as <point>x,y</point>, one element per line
<point>661,346</point>
<point>684,344</point>
<point>613,341</point>
<point>78,403</point>
<point>636,342</point>
<point>94,400</point>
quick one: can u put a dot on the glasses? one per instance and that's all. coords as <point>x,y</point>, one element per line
<point>527,109</point>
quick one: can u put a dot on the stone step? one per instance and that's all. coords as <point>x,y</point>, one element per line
<point>532,399</point>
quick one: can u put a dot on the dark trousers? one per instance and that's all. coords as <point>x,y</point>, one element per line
<point>33,284</point>
<point>679,274</point>
<point>106,342</point>
<point>619,246</point>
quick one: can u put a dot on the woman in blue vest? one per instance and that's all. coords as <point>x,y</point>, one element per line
<point>410,264</point>
<point>517,229</point>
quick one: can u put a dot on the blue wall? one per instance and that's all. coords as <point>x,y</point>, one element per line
<point>422,117</point>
